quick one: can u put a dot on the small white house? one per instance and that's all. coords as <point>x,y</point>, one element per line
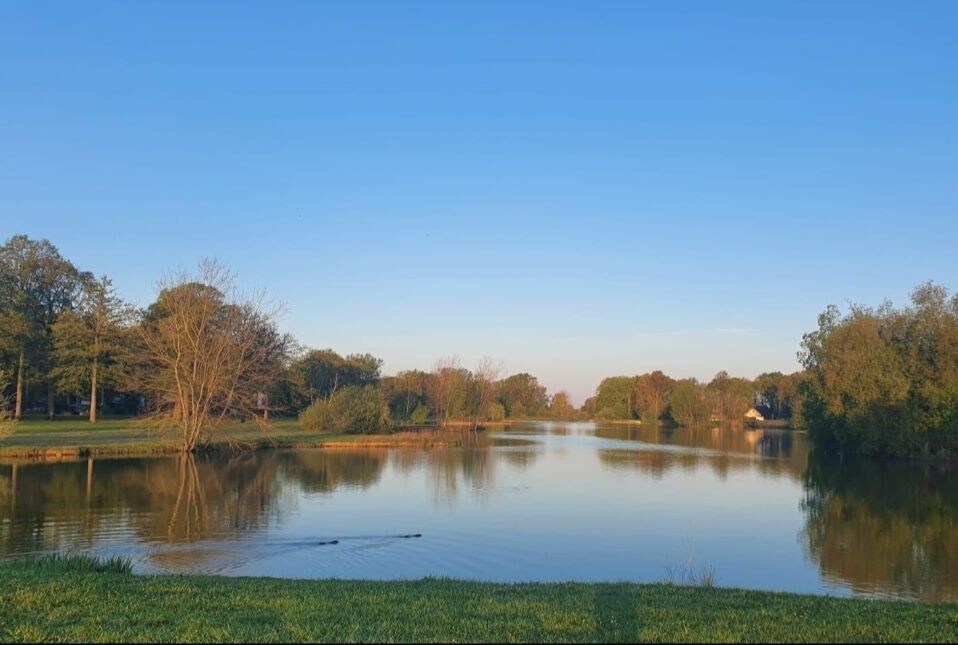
<point>754,415</point>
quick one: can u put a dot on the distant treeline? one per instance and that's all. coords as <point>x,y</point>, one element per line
<point>878,381</point>
<point>656,397</point>
<point>342,394</point>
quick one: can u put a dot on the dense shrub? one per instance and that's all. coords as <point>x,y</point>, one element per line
<point>494,412</point>
<point>420,415</point>
<point>606,414</point>
<point>350,410</point>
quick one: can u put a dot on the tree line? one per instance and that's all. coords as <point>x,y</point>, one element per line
<point>204,353</point>
<point>348,394</point>
<point>875,380</point>
<point>656,398</point>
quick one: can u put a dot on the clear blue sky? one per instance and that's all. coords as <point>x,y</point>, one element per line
<point>577,188</point>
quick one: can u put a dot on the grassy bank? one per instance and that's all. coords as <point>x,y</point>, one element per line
<point>64,601</point>
<point>75,437</point>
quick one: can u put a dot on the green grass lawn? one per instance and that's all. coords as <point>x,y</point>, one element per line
<point>110,436</point>
<point>60,601</point>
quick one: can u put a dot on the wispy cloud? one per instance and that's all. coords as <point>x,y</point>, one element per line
<point>725,331</point>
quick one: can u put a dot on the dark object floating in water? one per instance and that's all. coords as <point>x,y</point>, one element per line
<point>395,537</point>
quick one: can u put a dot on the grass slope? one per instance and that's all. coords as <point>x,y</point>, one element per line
<point>39,438</point>
<point>72,600</point>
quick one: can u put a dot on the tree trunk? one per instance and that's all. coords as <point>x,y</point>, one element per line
<point>18,410</point>
<point>265,408</point>
<point>93,394</point>
<point>51,395</point>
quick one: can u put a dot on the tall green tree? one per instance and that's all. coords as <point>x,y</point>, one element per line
<point>89,341</point>
<point>730,397</point>
<point>14,343</point>
<point>321,372</point>
<point>614,398</point>
<point>688,403</point>
<point>38,284</point>
<point>6,422</point>
<point>521,395</point>
<point>778,393</point>
<point>651,395</point>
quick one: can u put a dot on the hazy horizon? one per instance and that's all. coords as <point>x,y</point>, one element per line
<point>579,192</point>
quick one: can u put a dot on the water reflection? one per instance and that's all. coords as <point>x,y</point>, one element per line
<point>324,471</point>
<point>724,451</point>
<point>56,506</point>
<point>753,442</point>
<point>884,528</point>
<point>184,498</point>
<point>549,501</point>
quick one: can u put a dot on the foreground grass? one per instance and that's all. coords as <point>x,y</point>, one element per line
<point>69,600</point>
<point>73,436</point>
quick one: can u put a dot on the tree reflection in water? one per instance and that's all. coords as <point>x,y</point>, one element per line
<point>189,499</point>
<point>884,527</point>
<point>869,526</point>
<point>324,471</point>
<point>472,467</point>
<point>874,527</point>
<point>724,450</point>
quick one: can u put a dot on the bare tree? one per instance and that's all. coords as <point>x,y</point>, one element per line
<point>561,406</point>
<point>483,389</point>
<point>407,389</point>
<point>444,388</point>
<point>212,354</point>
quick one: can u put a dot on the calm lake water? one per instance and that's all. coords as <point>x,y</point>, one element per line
<point>547,502</point>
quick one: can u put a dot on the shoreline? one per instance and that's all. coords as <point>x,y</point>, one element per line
<point>37,440</point>
<point>68,439</point>
<point>80,599</point>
